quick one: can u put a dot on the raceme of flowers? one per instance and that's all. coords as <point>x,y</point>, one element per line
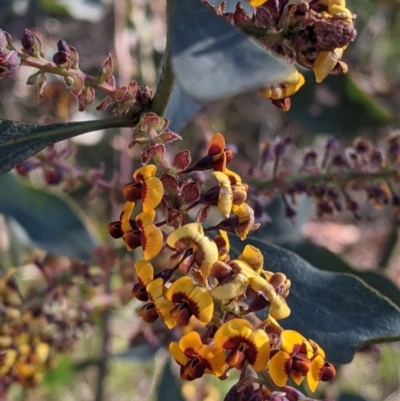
<point>169,214</point>
<point>313,34</point>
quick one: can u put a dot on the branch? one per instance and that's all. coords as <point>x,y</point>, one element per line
<point>166,82</point>
<point>283,184</point>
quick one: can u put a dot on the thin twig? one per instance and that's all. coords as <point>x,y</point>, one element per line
<point>282,184</point>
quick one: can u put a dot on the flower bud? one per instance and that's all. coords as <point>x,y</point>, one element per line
<point>31,44</point>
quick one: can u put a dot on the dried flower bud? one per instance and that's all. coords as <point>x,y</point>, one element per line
<point>182,159</point>
<point>106,70</point>
<point>31,44</point>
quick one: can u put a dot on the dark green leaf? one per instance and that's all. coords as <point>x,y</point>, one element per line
<point>169,388</point>
<point>339,311</point>
<point>326,260</point>
<point>18,141</point>
<point>337,106</point>
<point>50,222</point>
<point>141,352</point>
<point>281,228</point>
<point>180,109</point>
<point>351,397</point>
<point>213,60</point>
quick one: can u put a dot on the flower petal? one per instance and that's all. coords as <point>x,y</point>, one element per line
<point>144,173</point>
<point>215,357</point>
<point>230,289</point>
<point>185,237</point>
<point>291,340</point>
<point>258,355</point>
<point>191,343</point>
<point>164,307</point>
<point>206,255</point>
<point>145,218</point>
<point>178,354</point>
<point>144,271</point>
<point>232,333</point>
<point>257,3</point>
<point>126,216</point>
<point>253,257</point>
<point>152,193</point>
<point>152,241</point>
<point>325,62</point>
<point>217,144</point>
<point>225,198</point>
<point>279,368</point>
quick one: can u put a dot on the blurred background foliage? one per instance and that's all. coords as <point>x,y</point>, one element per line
<point>363,102</point>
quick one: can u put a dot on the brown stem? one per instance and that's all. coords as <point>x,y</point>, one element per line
<point>282,184</point>
<point>47,66</point>
<point>105,354</point>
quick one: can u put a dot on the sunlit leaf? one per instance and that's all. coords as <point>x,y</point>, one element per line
<point>18,141</point>
<point>339,311</point>
<point>213,60</point>
<point>49,221</point>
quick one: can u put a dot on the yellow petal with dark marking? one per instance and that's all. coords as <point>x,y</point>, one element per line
<point>291,339</point>
<point>191,343</point>
<point>145,218</point>
<point>144,271</point>
<point>178,354</point>
<point>163,306</point>
<point>202,304</point>
<point>279,368</point>
<point>217,144</point>
<point>230,289</point>
<point>144,173</point>
<point>253,257</point>
<point>259,359</point>
<point>152,193</point>
<point>225,199</point>
<point>215,357</point>
<point>314,374</point>
<point>126,215</point>
<point>186,236</point>
<point>152,241</point>
<point>206,255</point>
<point>184,286</point>
<point>232,333</point>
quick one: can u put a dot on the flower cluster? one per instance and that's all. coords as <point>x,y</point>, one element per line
<point>169,215</point>
<point>44,317</point>
<point>313,34</point>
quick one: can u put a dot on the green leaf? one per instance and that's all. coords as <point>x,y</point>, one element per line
<point>281,228</point>
<point>180,109</point>
<point>140,352</point>
<point>351,397</point>
<point>327,260</point>
<point>213,60</point>
<point>50,222</point>
<point>337,105</point>
<point>339,311</point>
<point>61,375</point>
<point>18,140</point>
<point>169,388</point>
